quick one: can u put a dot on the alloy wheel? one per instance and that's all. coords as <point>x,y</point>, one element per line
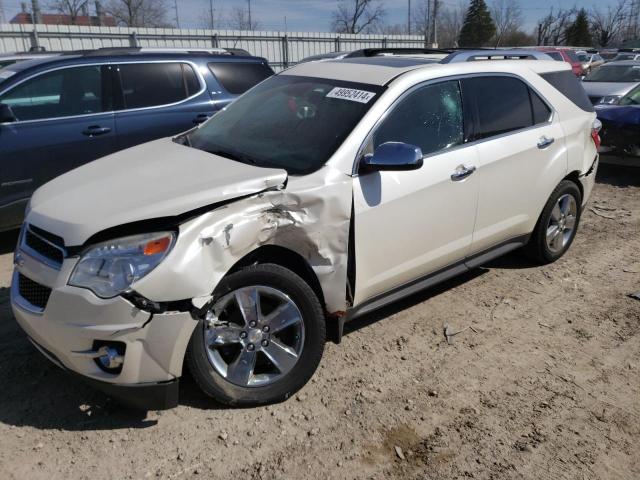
<point>562,223</point>
<point>254,336</point>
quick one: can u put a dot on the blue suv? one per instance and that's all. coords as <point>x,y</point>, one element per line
<point>61,112</point>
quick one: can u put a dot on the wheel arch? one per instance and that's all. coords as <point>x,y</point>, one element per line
<point>575,178</point>
<point>285,258</point>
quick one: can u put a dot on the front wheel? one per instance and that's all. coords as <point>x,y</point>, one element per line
<point>261,341</point>
<point>557,225</point>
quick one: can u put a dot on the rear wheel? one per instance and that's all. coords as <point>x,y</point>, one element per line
<point>557,225</point>
<point>262,339</point>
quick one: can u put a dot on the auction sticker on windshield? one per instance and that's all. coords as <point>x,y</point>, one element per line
<point>352,94</point>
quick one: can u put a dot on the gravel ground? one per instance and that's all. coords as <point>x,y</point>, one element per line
<point>542,382</point>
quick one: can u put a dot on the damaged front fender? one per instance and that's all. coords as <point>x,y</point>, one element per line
<point>310,217</point>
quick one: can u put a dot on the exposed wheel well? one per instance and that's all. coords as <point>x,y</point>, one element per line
<point>575,178</point>
<point>285,258</point>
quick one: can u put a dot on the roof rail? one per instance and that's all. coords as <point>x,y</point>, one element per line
<point>373,52</point>
<point>129,50</point>
<point>513,54</point>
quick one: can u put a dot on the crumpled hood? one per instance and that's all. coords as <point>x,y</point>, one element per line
<point>600,89</point>
<point>156,179</point>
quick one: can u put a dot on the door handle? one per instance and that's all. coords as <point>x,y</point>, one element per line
<point>95,130</point>
<point>200,118</point>
<point>545,141</point>
<point>462,171</point>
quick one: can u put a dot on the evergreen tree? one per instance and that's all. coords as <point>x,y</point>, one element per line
<point>578,33</point>
<point>478,27</point>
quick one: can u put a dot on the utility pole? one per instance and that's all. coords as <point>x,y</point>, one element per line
<point>409,17</point>
<point>434,18</point>
<point>211,12</point>
<point>250,24</point>
<point>177,16</point>
<point>2,17</point>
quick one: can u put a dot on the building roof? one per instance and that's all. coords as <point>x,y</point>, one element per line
<point>24,18</point>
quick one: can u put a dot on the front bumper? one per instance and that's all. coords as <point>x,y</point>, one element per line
<point>74,319</point>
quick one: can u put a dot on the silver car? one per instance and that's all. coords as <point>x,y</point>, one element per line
<point>612,81</point>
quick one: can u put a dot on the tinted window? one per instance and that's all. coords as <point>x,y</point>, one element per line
<point>430,118</point>
<point>153,84</point>
<point>237,78</point>
<point>568,84</point>
<point>502,103</point>
<point>556,56</point>
<point>61,93</point>
<point>541,112</point>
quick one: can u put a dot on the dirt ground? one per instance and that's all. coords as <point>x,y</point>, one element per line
<point>543,382</point>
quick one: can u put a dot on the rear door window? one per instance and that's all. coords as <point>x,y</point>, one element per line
<point>502,104</point>
<point>236,78</point>
<point>156,84</point>
<point>61,93</point>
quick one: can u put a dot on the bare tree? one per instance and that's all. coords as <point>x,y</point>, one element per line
<point>608,25</point>
<point>507,16</point>
<point>139,13</point>
<point>552,29</point>
<point>72,8</point>
<point>212,16</point>
<point>357,16</point>
<point>239,20</point>
<point>450,22</point>
<point>421,17</point>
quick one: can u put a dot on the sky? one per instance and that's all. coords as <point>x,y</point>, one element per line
<point>314,15</point>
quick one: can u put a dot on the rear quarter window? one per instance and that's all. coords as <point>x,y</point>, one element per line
<point>236,78</point>
<point>569,85</point>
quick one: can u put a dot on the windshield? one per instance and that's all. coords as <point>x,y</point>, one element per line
<point>583,58</point>
<point>289,122</point>
<point>615,73</point>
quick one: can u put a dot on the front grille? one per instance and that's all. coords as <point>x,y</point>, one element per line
<point>44,243</point>
<point>34,293</point>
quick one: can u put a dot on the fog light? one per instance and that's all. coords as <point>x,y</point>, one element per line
<point>110,358</point>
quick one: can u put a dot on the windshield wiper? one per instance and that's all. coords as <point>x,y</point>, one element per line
<point>238,157</point>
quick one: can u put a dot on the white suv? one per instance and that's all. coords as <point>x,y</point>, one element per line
<point>323,193</point>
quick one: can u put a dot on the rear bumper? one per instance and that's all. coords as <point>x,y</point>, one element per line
<point>588,180</point>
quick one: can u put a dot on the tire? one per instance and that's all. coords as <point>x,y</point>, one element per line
<point>547,245</point>
<point>306,337</point>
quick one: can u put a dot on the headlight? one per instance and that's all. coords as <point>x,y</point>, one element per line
<point>610,99</point>
<point>110,268</point>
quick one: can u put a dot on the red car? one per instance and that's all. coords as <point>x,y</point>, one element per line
<point>565,55</point>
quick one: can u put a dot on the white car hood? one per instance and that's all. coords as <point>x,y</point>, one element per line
<point>156,179</point>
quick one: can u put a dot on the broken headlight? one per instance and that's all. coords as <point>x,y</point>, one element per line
<point>110,268</point>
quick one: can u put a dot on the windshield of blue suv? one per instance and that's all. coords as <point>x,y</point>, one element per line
<point>289,122</point>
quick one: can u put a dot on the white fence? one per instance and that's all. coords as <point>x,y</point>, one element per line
<point>280,48</point>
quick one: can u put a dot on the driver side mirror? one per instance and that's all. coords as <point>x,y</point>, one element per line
<point>6,114</point>
<point>393,156</point>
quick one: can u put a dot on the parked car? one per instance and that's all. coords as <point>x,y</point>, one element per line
<point>565,55</point>
<point>327,191</point>
<point>589,61</point>
<point>633,56</point>
<point>612,81</point>
<point>61,112</point>
<point>608,55</point>
<point>621,125</point>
